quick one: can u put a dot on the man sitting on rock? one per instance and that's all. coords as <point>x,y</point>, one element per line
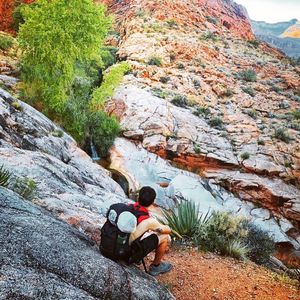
<point>148,225</point>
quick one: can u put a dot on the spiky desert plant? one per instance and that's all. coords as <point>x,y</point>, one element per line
<point>4,176</point>
<point>183,219</point>
<point>236,249</point>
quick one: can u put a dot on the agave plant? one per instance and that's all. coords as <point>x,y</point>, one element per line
<point>4,176</point>
<point>183,219</point>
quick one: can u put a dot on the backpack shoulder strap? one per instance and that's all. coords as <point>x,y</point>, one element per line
<point>138,211</point>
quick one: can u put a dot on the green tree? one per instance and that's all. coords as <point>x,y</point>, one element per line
<point>55,36</point>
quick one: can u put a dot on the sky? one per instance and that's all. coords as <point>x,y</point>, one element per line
<point>272,11</point>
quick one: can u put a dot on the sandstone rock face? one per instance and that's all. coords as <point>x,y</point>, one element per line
<point>69,184</point>
<point>44,258</point>
<point>231,15</point>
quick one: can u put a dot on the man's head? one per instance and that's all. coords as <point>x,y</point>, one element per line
<point>147,196</point>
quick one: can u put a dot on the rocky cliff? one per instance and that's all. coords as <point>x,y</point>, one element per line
<point>281,35</point>
<point>43,257</point>
<point>207,114</point>
<point>210,100</point>
<point>293,31</point>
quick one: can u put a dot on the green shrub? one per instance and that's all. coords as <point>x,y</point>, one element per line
<point>6,42</point>
<point>5,176</point>
<point>236,249</point>
<point>159,93</point>
<point>202,111</point>
<point>140,12</point>
<point>180,100</point>
<point>109,56</point>
<point>155,61</point>
<point>183,219</point>
<point>209,36</point>
<point>58,133</point>
<point>196,83</point>
<point>172,56</point>
<point>111,80</point>
<point>249,90</point>
<point>245,155</point>
<point>17,105</point>
<point>254,43</point>
<point>260,244</point>
<point>212,20</point>
<point>180,66</point>
<point>25,187</point>
<point>252,113</point>
<point>216,122</point>
<point>247,75</point>
<point>295,125</point>
<point>296,114</point>
<point>261,142</point>
<point>227,93</point>
<point>164,79</point>
<point>275,88</point>
<point>223,234</point>
<point>197,149</point>
<point>171,23</point>
<point>281,134</point>
<point>103,130</point>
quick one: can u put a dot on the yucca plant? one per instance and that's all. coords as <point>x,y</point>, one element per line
<point>4,176</point>
<point>183,219</point>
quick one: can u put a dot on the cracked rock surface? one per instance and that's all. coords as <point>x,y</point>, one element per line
<point>44,258</point>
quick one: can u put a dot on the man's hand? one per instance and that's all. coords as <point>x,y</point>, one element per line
<point>159,230</point>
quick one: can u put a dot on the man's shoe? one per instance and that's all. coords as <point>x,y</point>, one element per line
<point>163,267</point>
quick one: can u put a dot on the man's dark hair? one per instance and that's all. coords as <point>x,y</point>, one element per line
<point>146,196</point>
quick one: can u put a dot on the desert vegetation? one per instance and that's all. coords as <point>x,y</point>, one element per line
<point>219,232</point>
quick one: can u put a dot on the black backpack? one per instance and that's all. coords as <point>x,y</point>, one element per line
<point>114,242</point>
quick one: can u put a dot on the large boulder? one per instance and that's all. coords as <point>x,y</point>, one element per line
<point>44,258</point>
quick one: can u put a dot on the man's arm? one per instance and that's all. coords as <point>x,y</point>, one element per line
<point>154,225</point>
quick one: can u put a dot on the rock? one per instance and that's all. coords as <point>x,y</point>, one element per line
<point>69,184</point>
<point>8,81</point>
<point>191,189</point>
<point>174,133</point>
<point>273,194</point>
<point>172,185</point>
<point>43,258</point>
